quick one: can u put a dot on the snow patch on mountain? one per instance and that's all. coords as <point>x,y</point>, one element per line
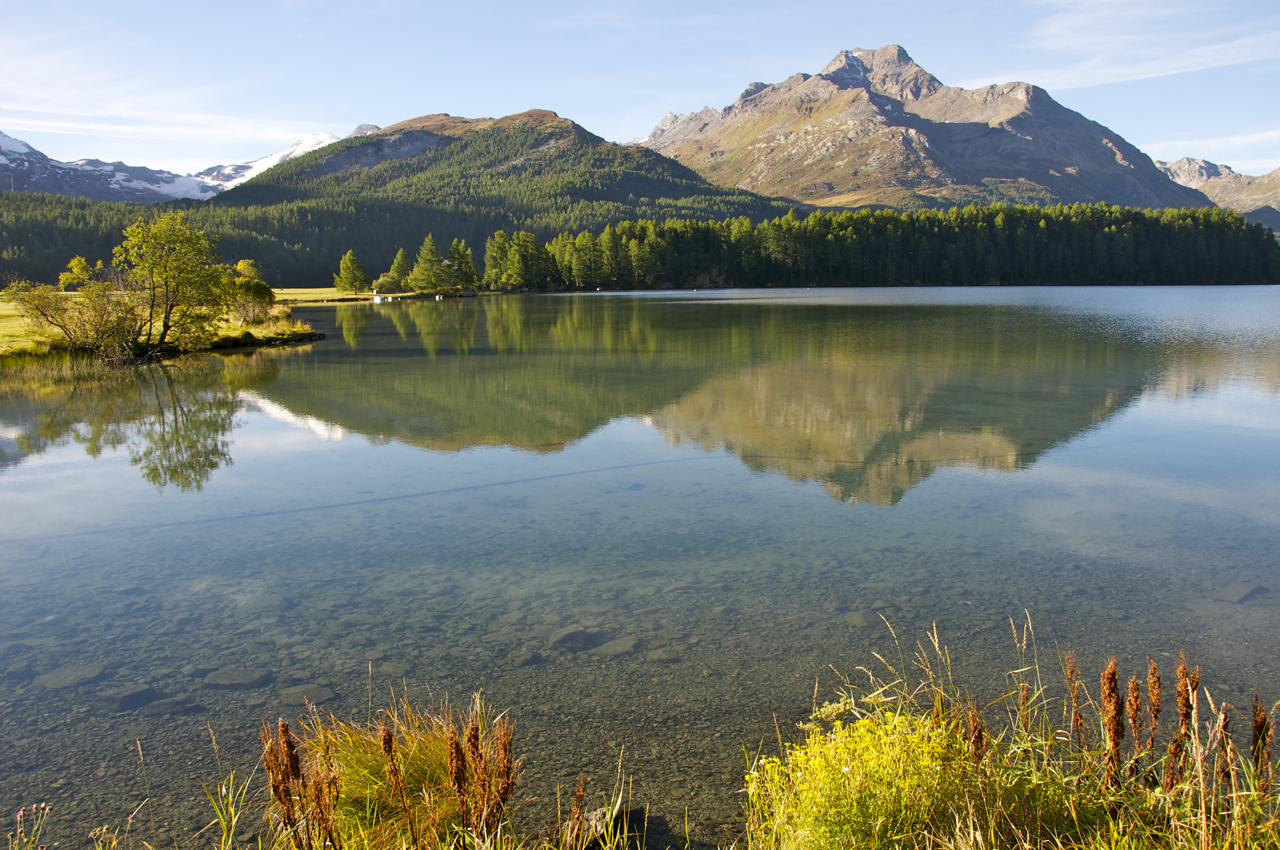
<point>226,176</point>
<point>25,169</point>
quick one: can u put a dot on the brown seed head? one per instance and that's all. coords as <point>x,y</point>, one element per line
<point>1183,691</point>
<point>1153,697</point>
<point>1133,707</point>
<point>1112,713</point>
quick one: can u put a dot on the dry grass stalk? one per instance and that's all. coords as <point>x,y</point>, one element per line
<point>1133,708</point>
<point>571,833</point>
<point>1112,719</point>
<point>1153,701</point>
<point>1078,733</point>
<point>1188,683</point>
<point>1260,744</point>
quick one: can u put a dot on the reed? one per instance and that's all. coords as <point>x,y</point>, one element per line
<point>413,779</point>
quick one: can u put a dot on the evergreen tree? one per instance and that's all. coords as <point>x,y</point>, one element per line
<point>428,271</point>
<point>400,266</point>
<point>497,253</point>
<point>459,267</point>
<point>351,276</point>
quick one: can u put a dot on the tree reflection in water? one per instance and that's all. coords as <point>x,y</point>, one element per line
<point>174,420</point>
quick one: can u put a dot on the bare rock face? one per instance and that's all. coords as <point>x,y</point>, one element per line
<point>875,128</point>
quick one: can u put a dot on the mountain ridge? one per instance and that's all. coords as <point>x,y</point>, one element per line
<point>873,127</point>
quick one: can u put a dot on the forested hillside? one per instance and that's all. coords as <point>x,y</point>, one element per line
<point>453,178</point>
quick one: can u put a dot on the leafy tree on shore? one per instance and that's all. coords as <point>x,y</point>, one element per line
<point>166,290</point>
<point>171,273</point>
<point>249,297</point>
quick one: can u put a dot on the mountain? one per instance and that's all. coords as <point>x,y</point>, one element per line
<point>25,169</point>
<point>1257,197</point>
<point>873,127</point>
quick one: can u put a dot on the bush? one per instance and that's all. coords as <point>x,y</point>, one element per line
<point>862,784</point>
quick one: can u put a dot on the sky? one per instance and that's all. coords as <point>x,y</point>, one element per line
<point>184,86</point>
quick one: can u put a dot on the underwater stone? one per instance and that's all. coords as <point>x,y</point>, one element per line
<point>525,658</point>
<point>67,677</point>
<point>173,705</point>
<point>237,677</point>
<point>573,638</point>
<point>1237,592</point>
<point>130,698</point>
<point>20,670</point>
<point>665,655</point>
<point>303,694</point>
<point>615,648</point>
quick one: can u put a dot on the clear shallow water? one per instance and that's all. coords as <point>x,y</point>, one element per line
<point>720,492</point>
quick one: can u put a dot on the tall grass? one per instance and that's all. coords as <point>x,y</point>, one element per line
<point>909,760</point>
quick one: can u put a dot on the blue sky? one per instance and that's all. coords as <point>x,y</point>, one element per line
<point>187,85</point>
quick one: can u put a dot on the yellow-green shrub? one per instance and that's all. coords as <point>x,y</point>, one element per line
<point>863,784</point>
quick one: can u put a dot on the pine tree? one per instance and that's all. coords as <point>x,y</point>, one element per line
<point>351,276</point>
<point>497,252</point>
<point>460,268</point>
<point>428,271</point>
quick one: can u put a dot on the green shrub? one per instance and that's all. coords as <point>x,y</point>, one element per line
<point>864,784</point>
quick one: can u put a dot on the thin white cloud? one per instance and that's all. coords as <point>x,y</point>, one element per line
<point>48,84</point>
<point>1241,141</point>
<point>1103,42</point>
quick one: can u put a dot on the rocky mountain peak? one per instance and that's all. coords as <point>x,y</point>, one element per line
<point>846,70</point>
<point>888,70</point>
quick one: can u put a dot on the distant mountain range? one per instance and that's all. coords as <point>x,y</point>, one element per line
<point>26,169</point>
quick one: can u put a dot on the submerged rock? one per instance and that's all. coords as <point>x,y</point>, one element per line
<point>1237,592</point>
<point>172,705</point>
<point>238,677</point>
<point>574,638</point>
<point>525,658</point>
<point>69,677</point>
<point>130,698</point>
<point>303,694</point>
<point>615,648</point>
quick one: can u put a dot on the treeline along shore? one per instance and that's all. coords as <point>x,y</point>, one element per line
<point>1079,244</point>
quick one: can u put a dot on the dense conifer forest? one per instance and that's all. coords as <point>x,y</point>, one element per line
<point>1082,244</point>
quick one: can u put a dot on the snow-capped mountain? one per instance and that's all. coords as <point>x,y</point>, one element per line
<point>226,176</point>
<point>25,169</point>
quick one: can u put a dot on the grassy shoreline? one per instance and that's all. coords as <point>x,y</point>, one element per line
<point>905,760</point>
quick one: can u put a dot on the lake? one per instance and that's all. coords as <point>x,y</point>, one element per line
<point>651,527</point>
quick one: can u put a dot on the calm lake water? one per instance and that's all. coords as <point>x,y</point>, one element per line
<point>644,525</point>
